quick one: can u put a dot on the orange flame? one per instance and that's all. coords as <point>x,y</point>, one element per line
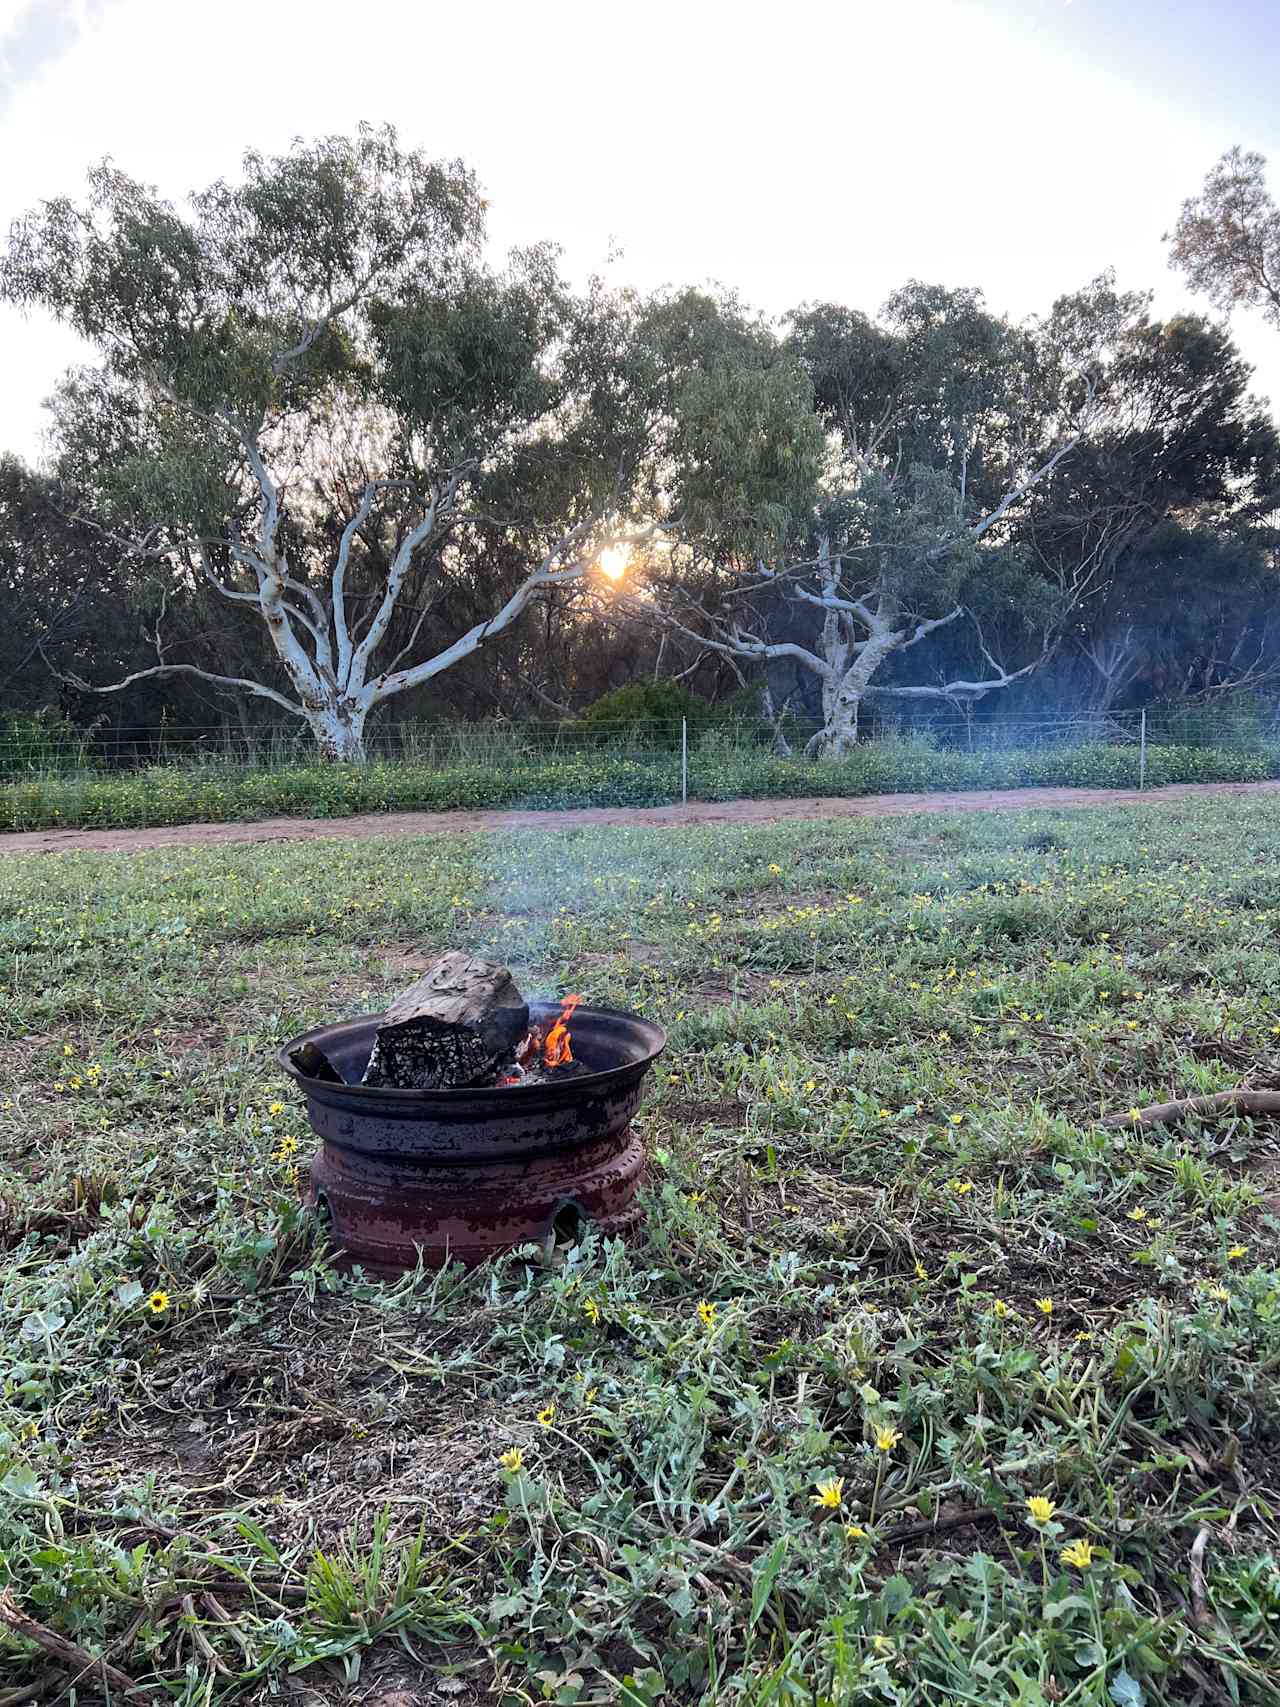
<point>555,1047</point>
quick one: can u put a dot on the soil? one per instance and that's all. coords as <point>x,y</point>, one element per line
<point>696,812</point>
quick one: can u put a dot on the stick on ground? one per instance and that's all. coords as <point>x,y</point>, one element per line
<point>67,1653</point>
<point>1238,1101</point>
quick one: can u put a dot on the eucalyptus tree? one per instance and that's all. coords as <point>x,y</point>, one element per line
<point>1227,238</point>
<point>945,426</point>
<point>311,393</point>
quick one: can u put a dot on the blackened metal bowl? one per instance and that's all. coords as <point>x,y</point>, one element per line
<point>464,1174</point>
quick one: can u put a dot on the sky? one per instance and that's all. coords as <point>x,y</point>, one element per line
<point>813,151</point>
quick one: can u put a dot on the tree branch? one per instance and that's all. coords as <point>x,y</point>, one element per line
<point>240,684</point>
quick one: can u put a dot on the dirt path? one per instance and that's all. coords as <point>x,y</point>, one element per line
<point>696,812</point>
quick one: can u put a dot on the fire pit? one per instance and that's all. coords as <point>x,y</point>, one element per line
<point>463,1174</point>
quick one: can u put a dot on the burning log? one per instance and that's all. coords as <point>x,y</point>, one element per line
<point>546,1052</point>
<point>459,1025</point>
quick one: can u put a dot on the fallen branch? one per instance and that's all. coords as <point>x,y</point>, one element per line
<point>955,1519</point>
<point>1238,1101</point>
<point>65,1652</point>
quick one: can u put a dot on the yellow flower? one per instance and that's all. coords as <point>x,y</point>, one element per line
<point>590,1309</point>
<point>1237,1251</point>
<point>957,1119</point>
<point>961,1186</point>
<point>1040,1509</point>
<point>1079,1554</point>
<point>158,1303</point>
<point>1135,1114</point>
<point>775,870</point>
<point>512,1460</point>
<point>547,1415</point>
<point>887,1439</point>
<point>67,1049</point>
<point>921,1272</point>
<point>276,1108</point>
<point>1220,1293</point>
<point>1137,1215</point>
<point>1001,1308</point>
<point>707,1314</point>
<point>855,1532</point>
<point>1045,1306</point>
<point>695,1198</point>
<point>882,1644</point>
<point>886,1114</point>
<point>830,1493</point>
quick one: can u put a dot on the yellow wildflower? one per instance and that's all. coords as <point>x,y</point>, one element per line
<point>887,1439</point>
<point>512,1460</point>
<point>707,1314</point>
<point>547,1415</point>
<point>961,1186</point>
<point>1079,1554</point>
<point>1045,1306</point>
<point>67,1049</point>
<point>276,1108</point>
<point>1001,1308</point>
<point>591,1310</point>
<point>1040,1509</point>
<point>158,1303</point>
<point>855,1532</point>
<point>1135,1113</point>
<point>1137,1215</point>
<point>921,1272</point>
<point>1237,1251</point>
<point>775,871</point>
<point>830,1494</point>
<point>957,1119</point>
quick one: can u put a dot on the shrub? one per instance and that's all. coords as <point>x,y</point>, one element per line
<point>654,709</point>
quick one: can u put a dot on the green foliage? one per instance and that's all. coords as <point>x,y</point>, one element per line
<point>39,742</point>
<point>655,710</point>
<point>726,769</point>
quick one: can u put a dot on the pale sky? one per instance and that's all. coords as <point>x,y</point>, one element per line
<point>793,152</point>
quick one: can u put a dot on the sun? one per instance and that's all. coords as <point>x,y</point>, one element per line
<point>614,561</point>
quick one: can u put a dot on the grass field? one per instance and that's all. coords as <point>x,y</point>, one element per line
<point>897,1280</point>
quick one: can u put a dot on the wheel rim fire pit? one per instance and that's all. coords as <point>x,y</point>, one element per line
<point>464,1174</point>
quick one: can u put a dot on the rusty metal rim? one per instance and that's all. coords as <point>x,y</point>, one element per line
<point>647,1040</point>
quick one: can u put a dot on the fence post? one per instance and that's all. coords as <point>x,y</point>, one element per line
<point>1142,751</point>
<point>684,761</point>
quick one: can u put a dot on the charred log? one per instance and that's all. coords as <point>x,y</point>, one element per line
<point>459,1025</point>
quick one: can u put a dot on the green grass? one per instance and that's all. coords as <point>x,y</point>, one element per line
<point>532,779</point>
<point>875,1147</point>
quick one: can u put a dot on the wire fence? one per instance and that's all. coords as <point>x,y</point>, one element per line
<point>31,751</point>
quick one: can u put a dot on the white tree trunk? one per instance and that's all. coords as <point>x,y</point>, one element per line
<point>839,733</point>
<point>339,730</point>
